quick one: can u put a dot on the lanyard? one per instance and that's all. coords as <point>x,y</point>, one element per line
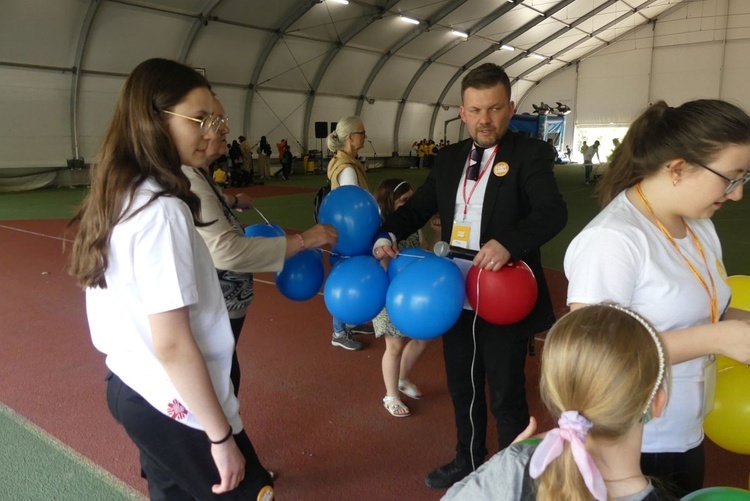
<point>712,296</point>
<point>479,177</point>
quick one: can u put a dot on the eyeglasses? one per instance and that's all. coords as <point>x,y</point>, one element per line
<point>733,183</point>
<point>208,123</point>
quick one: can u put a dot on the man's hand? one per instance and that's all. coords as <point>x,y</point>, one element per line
<point>492,256</point>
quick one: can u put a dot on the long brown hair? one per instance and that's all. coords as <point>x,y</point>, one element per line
<point>136,146</point>
<point>603,363</point>
<point>388,192</point>
<point>696,131</point>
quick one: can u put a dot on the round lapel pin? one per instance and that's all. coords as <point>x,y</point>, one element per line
<point>500,169</point>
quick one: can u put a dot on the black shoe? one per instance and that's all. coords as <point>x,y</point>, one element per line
<point>448,474</point>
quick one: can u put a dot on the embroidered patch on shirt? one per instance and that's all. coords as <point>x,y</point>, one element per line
<point>176,410</point>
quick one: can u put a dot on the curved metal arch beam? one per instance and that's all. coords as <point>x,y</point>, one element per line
<point>523,29</point>
<point>200,22</point>
<point>593,34</point>
<point>358,28</point>
<point>486,21</point>
<point>556,34</point>
<point>411,35</point>
<point>88,20</point>
<point>292,18</point>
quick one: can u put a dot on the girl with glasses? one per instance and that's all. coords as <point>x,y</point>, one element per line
<point>153,299</point>
<point>602,375</point>
<point>654,249</point>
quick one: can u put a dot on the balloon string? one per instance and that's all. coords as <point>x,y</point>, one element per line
<point>261,215</point>
<point>402,254</point>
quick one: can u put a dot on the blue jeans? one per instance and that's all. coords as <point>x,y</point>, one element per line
<point>339,327</point>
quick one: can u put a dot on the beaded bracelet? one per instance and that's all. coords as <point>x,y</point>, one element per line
<point>218,442</point>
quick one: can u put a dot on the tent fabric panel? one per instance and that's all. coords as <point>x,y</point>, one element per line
<point>39,132</point>
<point>431,83</point>
<point>227,52</point>
<point>50,32</point>
<point>122,36</point>
<point>392,79</point>
<point>297,61</point>
<point>348,71</point>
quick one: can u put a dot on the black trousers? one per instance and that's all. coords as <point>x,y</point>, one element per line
<point>680,473</point>
<point>176,459</point>
<point>235,372</point>
<point>500,360</point>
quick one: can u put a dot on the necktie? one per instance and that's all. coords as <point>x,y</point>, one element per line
<point>475,161</point>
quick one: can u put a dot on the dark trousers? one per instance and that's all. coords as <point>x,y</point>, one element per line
<point>501,361</point>
<point>678,472</point>
<point>235,373</point>
<point>176,459</point>
<point>588,167</point>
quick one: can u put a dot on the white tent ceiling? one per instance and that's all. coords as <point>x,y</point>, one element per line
<point>278,61</point>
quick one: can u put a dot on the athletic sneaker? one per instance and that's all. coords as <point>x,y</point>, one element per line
<point>346,341</point>
<point>362,329</point>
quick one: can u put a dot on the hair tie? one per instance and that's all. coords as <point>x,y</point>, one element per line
<point>398,186</point>
<point>334,135</point>
<point>659,349</point>
<point>573,428</point>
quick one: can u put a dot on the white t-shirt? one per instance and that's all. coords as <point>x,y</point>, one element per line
<point>621,256</point>
<point>348,177</point>
<point>157,263</point>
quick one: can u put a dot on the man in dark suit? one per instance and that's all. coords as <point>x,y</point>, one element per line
<point>495,194</point>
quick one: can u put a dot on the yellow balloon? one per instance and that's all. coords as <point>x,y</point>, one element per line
<point>723,362</point>
<point>728,424</point>
<point>740,285</point>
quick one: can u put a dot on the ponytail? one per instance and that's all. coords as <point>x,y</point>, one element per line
<point>695,132</point>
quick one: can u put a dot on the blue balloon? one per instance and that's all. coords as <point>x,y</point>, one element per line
<point>426,298</point>
<point>302,276</point>
<point>264,230</point>
<point>355,290</point>
<point>405,258</point>
<point>354,213</point>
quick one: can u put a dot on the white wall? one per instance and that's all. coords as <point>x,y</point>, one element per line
<point>697,51</point>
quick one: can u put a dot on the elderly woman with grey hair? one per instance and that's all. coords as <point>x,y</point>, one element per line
<point>345,170</point>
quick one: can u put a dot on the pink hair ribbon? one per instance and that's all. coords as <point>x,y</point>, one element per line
<point>572,428</point>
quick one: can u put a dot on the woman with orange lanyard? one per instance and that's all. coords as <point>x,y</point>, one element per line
<point>654,249</point>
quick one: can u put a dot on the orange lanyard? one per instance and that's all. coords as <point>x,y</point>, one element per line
<point>479,177</point>
<point>712,295</point>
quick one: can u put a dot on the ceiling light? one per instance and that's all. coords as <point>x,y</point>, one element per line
<point>409,20</point>
<point>342,2</point>
<point>535,56</point>
<point>460,34</point>
<point>507,47</point>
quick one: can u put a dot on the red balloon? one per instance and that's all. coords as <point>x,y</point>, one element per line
<point>506,296</point>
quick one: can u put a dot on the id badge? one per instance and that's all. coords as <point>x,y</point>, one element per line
<point>709,384</point>
<point>460,235</point>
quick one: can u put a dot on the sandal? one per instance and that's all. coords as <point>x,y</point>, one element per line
<point>409,389</point>
<point>395,406</point>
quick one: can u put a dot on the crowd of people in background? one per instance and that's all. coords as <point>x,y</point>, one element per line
<point>423,153</point>
<point>236,168</point>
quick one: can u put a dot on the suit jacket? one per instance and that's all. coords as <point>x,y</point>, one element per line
<point>522,210</point>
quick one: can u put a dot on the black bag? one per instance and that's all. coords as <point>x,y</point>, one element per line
<point>319,196</point>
